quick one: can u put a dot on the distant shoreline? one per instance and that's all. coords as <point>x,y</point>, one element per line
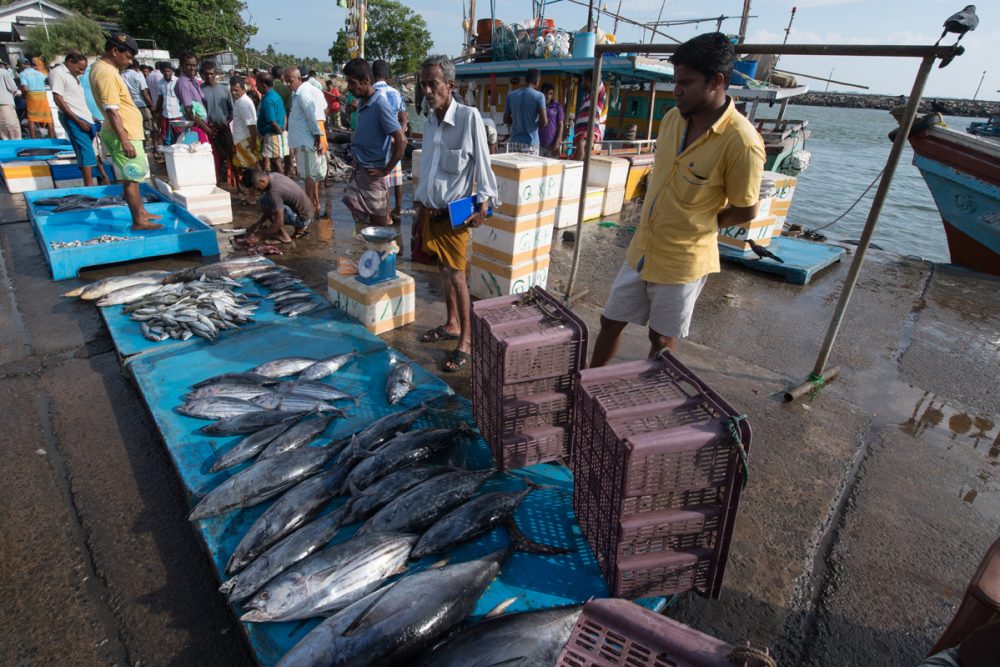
<point>946,106</point>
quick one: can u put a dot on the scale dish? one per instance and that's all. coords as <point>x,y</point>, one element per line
<point>379,234</point>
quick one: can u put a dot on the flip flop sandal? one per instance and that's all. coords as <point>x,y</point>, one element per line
<point>456,362</point>
<point>436,335</point>
<point>301,234</point>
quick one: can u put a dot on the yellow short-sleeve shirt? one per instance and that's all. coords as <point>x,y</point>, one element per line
<point>676,240</point>
<point>110,92</point>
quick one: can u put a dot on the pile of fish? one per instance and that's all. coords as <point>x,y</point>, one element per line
<point>103,238</point>
<point>290,295</point>
<point>383,477</point>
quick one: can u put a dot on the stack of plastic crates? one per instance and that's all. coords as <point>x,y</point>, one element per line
<point>659,463</point>
<point>526,352</point>
<point>617,633</point>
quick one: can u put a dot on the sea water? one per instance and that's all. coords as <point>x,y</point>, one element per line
<point>849,147</point>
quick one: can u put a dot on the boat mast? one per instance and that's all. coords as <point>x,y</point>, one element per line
<point>743,21</point>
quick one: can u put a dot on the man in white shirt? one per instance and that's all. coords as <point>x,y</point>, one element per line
<point>10,126</point>
<point>74,114</point>
<point>304,134</point>
<point>168,107</point>
<point>246,151</point>
<point>455,165</point>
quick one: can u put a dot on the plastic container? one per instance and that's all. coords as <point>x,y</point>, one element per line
<point>747,67</point>
<point>618,633</point>
<point>538,445</point>
<point>518,415</point>
<point>189,164</point>
<point>652,440</point>
<point>583,45</point>
<point>608,172</point>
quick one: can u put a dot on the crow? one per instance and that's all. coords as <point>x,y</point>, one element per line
<point>763,253</point>
<point>960,23</point>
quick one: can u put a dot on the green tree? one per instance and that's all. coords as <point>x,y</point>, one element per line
<point>190,25</point>
<point>99,10</point>
<point>395,34</point>
<point>74,32</point>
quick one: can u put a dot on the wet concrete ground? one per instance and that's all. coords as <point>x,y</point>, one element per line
<point>868,508</point>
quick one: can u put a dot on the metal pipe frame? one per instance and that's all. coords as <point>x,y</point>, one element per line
<point>927,54</point>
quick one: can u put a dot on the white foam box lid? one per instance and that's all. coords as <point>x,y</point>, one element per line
<point>572,179</point>
<point>189,164</point>
<point>526,183</point>
<point>608,172</point>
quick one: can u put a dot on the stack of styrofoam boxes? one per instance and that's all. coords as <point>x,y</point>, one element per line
<point>659,463</point>
<point>782,201</point>
<point>526,351</point>
<point>380,307</point>
<point>760,230</point>
<point>191,176</point>
<point>568,207</point>
<point>610,174</point>
<point>510,252</point>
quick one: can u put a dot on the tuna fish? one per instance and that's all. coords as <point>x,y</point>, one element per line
<point>315,389</point>
<point>381,429</point>
<point>513,640</point>
<point>421,506</point>
<point>292,403</point>
<point>301,434</point>
<point>250,446</point>
<point>277,368</point>
<point>400,382</point>
<point>403,450</point>
<point>374,497</point>
<point>261,481</point>
<point>287,513</point>
<point>217,407</point>
<point>472,519</point>
<point>402,621</point>
<point>247,378</point>
<point>328,366</point>
<point>331,579</point>
<point>250,422</point>
<point>283,555</point>
<point>241,390</point>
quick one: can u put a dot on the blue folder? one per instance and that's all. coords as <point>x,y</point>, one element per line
<point>461,209</point>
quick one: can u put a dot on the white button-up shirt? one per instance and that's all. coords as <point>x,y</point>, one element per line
<point>302,126</point>
<point>456,159</point>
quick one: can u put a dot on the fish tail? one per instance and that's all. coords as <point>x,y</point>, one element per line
<point>519,542</point>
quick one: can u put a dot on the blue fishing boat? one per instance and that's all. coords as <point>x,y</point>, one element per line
<point>963,174</point>
<point>991,128</point>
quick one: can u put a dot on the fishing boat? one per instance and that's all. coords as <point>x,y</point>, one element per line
<point>991,128</point>
<point>963,174</point>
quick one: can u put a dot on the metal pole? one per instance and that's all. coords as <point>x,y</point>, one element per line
<point>829,79</point>
<point>979,86</point>
<point>652,106</point>
<point>595,89</point>
<point>362,19</point>
<point>905,125</point>
<point>744,20</point>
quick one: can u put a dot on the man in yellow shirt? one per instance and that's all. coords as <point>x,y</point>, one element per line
<point>709,162</point>
<point>122,133</point>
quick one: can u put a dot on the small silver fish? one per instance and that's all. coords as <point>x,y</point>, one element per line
<point>400,382</point>
<point>277,368</point>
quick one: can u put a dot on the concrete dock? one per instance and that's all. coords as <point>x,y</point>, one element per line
<point>869,505</point>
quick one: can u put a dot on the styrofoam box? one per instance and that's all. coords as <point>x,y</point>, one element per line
<point>66,173</point>
<point>572,180</point>
<point>614,199</point>
<point>595,202</point>
<point>567,212</point>
<point>514,240</point>
<point>189,164</point>
<point>526,183</point>
<point>782,200</point>
<point>764,207</point>
<point>608,172</point>
<point>759,230</point>
<point>26,176</point>
<point>380,307</point>
<point>488,279</point>
<point>212,205</point>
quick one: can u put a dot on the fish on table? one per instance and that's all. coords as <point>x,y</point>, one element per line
<point>400,382</point>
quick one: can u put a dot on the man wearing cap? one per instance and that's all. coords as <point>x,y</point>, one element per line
<point>33,87</point>
<point>122,132</point>
<point>10,126</point>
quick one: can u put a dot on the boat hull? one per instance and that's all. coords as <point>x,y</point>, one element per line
<point>963,175</point>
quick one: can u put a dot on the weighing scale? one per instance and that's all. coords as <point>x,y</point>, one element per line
<point>378,262</point>
<point>189,136</point>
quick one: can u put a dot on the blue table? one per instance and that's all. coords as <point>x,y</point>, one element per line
<point>182,232</point>
<point>803,259</point>
<point>546,515</point>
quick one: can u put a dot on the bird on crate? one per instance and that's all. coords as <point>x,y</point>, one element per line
<point>764,253</point>
<point>960,23</point>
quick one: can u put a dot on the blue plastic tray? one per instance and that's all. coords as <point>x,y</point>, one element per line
<point>803,259</point>
<point>9,149</point>
<point>534,581</point>
<point>128,338</point>
<point>182,231</point>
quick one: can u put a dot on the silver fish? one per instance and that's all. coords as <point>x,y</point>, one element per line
<point>326,367</point>
<point>382,428</point>
<point>531,638</point>
<point>251,445</point>
<point>277,368</point>
<point>261,481</point>
<point>291,510</point>
<point>248,423</point>
<point>217,407</point>
<point>292,403</point>
<point>373,498</point>
<point>403,621</point>
<point>315,389</point>
<point>299,309</point>
<point>100,288</point>
<point>299,435</point>
<point>248,378</point>
<point>470,520</point>
<point>283,555</point>
<point>331,579</point>
<point>239,390</point>
<point>127,294</point>
<point>403,450</point>
<point>400,382</point>
<point>418,508</point>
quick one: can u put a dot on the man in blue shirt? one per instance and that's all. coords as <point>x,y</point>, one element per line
<point>378,145</point>
<point>270,124</point>
<point>524,113</point>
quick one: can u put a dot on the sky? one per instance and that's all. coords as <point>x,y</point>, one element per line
<point>308,28</point>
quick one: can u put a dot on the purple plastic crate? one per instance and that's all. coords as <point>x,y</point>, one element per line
<point>652,442</point>
<point>618,633</point>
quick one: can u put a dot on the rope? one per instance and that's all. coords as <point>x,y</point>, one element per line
<point>819,383</point>
<point>733,424</point>
<point>745,654</point>
<point>851,207</point>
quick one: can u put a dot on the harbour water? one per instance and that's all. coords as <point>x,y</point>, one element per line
<point>849,148</point>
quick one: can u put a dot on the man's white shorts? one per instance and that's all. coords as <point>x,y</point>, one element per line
<point>666,308</point>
